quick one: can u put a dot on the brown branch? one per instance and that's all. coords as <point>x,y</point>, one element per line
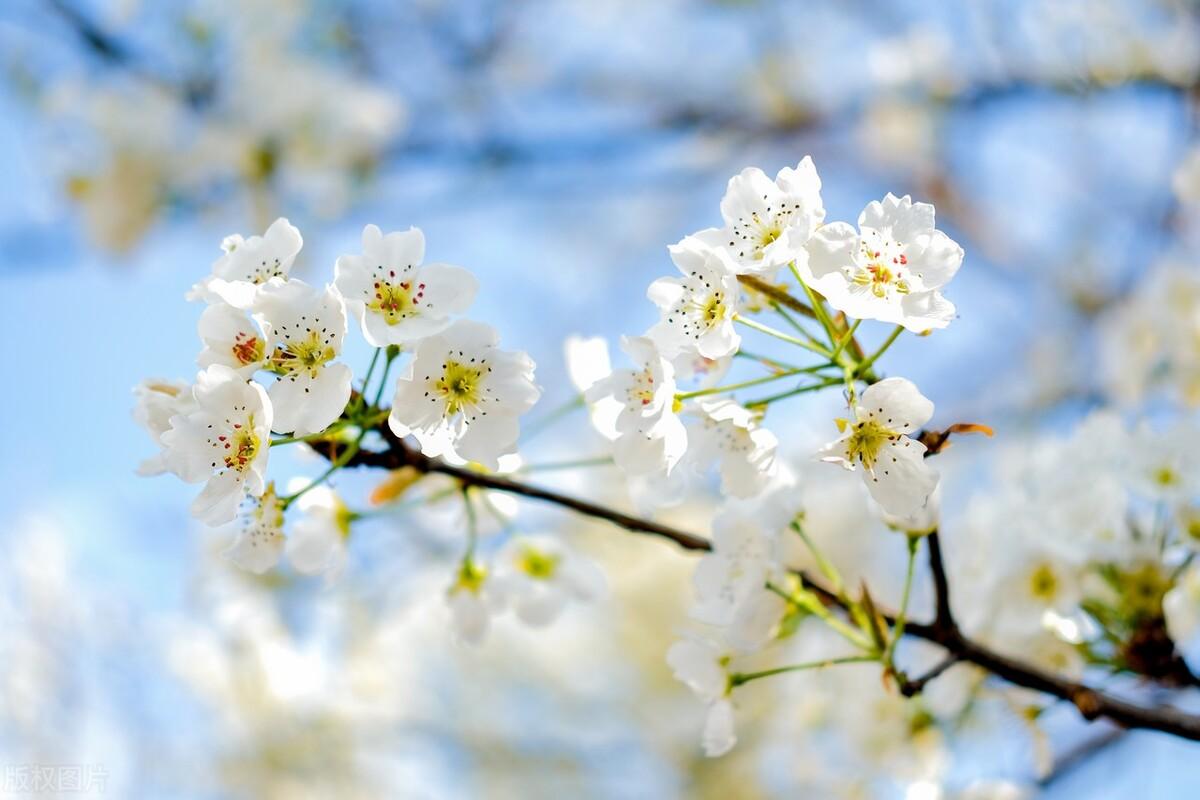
<point>1092,703</point>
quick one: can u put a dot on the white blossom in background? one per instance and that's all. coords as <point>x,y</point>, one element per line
<point>877,442</point>
<point>588,363</point>
<point>395,298</point>
<point>539,575</point>
<point>155,402</point>
<point>768,222</point>
<point>891,269</point>
<point>461,395</point>
<point>317,542</point>
<point>1165,464</point>
<point>703,668</point>
<point>230,337</point>
<point>730,435</point>
<point>1151,338</point>
<point>1186,179</point>
<point>651,438</point>
<point>697,310</point>
<point>473,599</point>
<point>260,540</point>
<point>223,440</point>
<point>250,263</point>
<point>742,560</point>
<point>304,327</point>
<point>1181,608</point>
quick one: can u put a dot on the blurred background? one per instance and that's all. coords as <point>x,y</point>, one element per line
<point>555,149</point>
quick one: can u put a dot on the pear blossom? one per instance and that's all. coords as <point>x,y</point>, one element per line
<point>729,434</point>
<point>891,269</point>
<point>702,667</point>
<point>317,542</point>
<point>304,327</point>
<point>1165,465</point>
<point>588,363</point>
<point>462,396</point>
<point>1181,609</point>
<point>155,402</point>
<point>473,599</point>
<point>539,575</point>
<point>737,569</point>
<point>651,438</point>
<point>893,465</point>
<point>260,539</point>
<point>767,223</point>
<point>248,264</point>
<point>697,310</point>
<point>224,440</point>
<point>231,338</point>
<point>396,299</point>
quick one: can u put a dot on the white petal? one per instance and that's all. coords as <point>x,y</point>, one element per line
<point>719,735</point>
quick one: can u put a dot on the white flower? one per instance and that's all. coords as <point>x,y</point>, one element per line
<point>890,269</point>
<point>730,434</point>
<point>539,575</point>
<point>588,363</point>
<point>317,543</point>
<point>1181,607</point>
<point>473,599</point>
<point>697,310</point>
<point>231,338</point>
<point>304,327</point>
<point>223,440</point>
<point>394,297</point>
<point>250,263</point>
<point>1165,465</point>
<point>735,571</point>
<point>893,465</point>
<point>260,539</point>
<point>703,668</point>
<point>767,223</point>
<point>156,401</point>
<point>920,522</point>
<point>462,396</point>
<point>651,437</point>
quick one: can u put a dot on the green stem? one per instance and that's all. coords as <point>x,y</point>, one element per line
<point>812,387</point>
<point>796,324</point>
<point>472,523</point>
<point>766,361</point>
<point>818,306</point>
<point>815,607</point>
<point>312,437</point>
<point>738,678</point>
<point>845,340</point>
<point>914,543</point>
<point>387,366</point>
<point>863,366</point>
<point>758,326</point>
<point>367,380</point>
<point>823,563</point>
<point>743,385</point>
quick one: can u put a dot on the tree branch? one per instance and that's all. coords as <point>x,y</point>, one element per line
<point>1092,703</point>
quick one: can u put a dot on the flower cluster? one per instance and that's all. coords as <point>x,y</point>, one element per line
<point>272,374</point>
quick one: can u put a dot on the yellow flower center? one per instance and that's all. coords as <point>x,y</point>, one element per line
<point>241,447</point>
<point>396,301</point>
<point>459,385</point>
<point>866,439</point>
<point>536,564</point>
<point>471,576</point>
<point>308,353</point>
<point>247,348</point>
<point>1043,583</point>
